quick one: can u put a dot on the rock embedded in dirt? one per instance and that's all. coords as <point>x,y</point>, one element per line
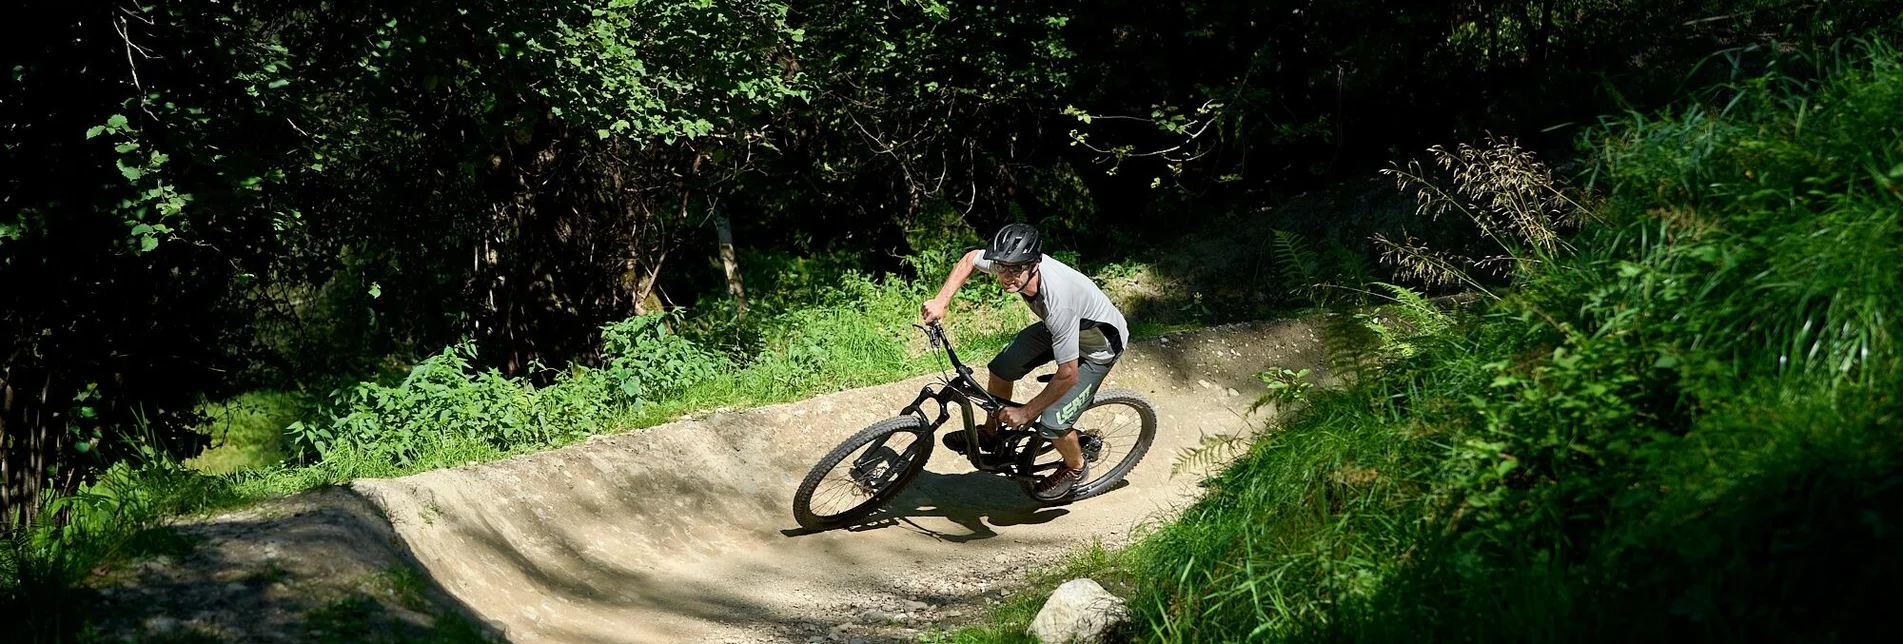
<point>1079,612</point>
<point>876,616</point>
<point>161,625</point>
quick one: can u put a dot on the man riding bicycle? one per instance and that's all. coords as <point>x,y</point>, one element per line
<point>1080,330</point>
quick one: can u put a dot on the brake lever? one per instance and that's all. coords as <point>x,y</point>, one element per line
<point>936,334</point>
<point>932,339</point>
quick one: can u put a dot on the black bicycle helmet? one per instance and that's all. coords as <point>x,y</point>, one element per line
<point>1015,244</point>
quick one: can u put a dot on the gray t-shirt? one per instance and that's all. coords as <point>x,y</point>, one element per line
<point>1082,321</point>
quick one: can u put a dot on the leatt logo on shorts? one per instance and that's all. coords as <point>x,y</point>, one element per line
<point>1070,411</point>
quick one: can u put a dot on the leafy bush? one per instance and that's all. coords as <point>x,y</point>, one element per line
<point>445,411</point>
<point>445,400</point>
<point>645,362</point>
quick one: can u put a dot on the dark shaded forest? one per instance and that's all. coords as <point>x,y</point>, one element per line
<point>201,199</point>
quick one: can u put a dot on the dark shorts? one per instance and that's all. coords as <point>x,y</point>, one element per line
<point>1032,349</point>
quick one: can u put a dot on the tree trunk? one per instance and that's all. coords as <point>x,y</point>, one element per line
<point>28,444</point>
<point>641,289</point>
<point>7,471</point>
<point>728,260</point>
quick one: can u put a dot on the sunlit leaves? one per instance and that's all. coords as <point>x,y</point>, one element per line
<point>663,70</point>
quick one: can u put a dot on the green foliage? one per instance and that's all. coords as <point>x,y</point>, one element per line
<point>1284,388</point>
<point>1333,275</point>
<point>1688,429</point>
<point>442,399</point>
<point>247,431</point>
<point>663,70</point>
<point>446,400</point>
<point>645,362</point>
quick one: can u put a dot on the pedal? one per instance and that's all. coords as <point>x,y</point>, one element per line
<point>1091,445</point>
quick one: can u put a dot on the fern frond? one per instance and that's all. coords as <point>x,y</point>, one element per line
<point>1297,261</point>
<point>1213,450</point>
<point>1413,308</point>
<point>1348,266</point>
<point>1351,347</point>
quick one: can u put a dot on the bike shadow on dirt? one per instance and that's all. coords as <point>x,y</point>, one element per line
<point>974,501</point>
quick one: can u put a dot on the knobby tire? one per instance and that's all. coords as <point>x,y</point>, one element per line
<point>802,500</point>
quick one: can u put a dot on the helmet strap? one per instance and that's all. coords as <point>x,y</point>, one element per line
<point>1037,270</point>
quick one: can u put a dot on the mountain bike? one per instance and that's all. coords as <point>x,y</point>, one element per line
<point>868,469</point>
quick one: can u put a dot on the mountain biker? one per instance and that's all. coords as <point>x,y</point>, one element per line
<point>1081,330</point>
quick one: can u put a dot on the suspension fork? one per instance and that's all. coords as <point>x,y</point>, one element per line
<point>946,398</point>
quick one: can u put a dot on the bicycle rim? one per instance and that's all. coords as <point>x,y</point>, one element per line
<point>863,473</point>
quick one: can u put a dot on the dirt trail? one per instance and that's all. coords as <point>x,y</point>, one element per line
<point>682,532</point>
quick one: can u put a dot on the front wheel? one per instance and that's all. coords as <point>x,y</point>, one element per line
<point>1115,431</point>
<point>863,473</point>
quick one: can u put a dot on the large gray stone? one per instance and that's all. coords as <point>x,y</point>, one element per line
<point>1079,612</point>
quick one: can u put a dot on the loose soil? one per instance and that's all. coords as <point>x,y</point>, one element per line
<point>682,532</point>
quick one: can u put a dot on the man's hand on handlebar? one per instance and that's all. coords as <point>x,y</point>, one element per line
<point>1015,416</point>
<point>933,310</point>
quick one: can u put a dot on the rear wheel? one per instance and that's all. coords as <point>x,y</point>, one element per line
<point>1115,430</point>
<point>862,473</point>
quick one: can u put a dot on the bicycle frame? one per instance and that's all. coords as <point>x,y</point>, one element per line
<point>963,391</point>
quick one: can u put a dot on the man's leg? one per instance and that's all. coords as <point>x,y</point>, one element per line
<point>1030,349</point>
<point>1068,448</point>
<point>1056,425</point>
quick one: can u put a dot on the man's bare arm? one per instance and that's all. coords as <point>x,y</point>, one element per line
<point>1061,382</point>
<point>934,309</point>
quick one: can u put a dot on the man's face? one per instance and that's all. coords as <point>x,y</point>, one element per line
<point>1013,277</point>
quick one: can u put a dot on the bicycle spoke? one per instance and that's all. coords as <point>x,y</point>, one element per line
<point>1118,427</point>
<point>858,479</point>
<point>841,490</point>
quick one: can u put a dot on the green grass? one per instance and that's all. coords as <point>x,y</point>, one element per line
<point>247,431</point>
<point>1689,429</point>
